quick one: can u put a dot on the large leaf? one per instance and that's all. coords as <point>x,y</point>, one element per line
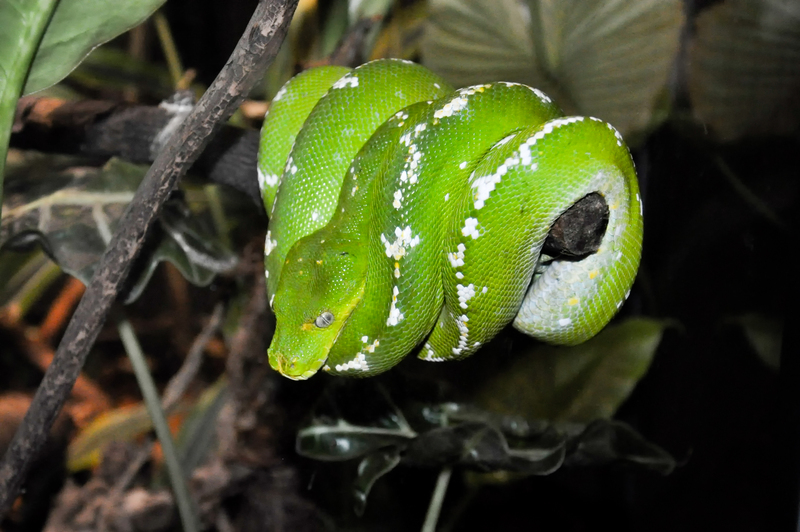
<point>77,27</point>
<point>22,23</point>
<point>607,58</point>
<point>743,75</point>
<point>580,383</point>
<point>74,213</point>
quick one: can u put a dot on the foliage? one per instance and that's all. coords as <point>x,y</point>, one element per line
<point>73,214</point>
<point>457,434</point>
<point>607,59</point>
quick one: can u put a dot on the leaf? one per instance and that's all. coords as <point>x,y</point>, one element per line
<point>580,383</point>
<point>111,69</point>
<point>611,59</point>
<point>399,37</point>
<point>765,334</point>
<point>198,434</point>
<point>371,468</point>
<point>74,213</point>
<point>77,27</point>
<point>343,441</point>
<point>22,23</point>
<point>605,441</point>
<point>18,270</point>
<point>743,75</point>
<point>456,434</point>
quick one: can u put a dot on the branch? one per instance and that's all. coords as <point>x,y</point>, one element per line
<point>102,129</point>
<point>247,64</point>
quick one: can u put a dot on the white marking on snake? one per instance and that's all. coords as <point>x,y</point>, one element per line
<point>453,106</point>
<point>267,180</point>
<point>360,363</point>
<point>469,228</point>
<point>504,140</point>
<point>395,316</point>
<point>465,293</point>
<point>564,322</point>
<point>269,244</point>
<point>280,94</point>
<point>463,329</point>
<point>542,96</point>
<point>404,237</point>
<point>398,197</point>
<point>457,258</point>
<point>346,81</point>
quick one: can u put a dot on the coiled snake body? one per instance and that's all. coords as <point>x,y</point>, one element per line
<point>405,215</point>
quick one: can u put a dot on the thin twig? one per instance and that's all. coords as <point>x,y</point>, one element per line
<point>122,483</point>
<point>168,47</point>
<point>191,364</point>
<point>435,506</point>
<point>255,50</point>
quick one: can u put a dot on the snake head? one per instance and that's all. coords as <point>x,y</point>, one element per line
<point>322,281</point>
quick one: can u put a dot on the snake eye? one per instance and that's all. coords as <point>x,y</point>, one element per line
<point>324,319</point>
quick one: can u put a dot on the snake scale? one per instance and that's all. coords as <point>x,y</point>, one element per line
<point>408,216</point>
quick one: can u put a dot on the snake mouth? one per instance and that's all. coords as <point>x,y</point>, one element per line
<point>289,367</point>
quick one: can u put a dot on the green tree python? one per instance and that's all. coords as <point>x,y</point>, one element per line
<point>406,215</point>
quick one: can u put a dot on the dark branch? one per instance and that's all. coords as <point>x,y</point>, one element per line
<point>255,50</point>
<point>102,129</point>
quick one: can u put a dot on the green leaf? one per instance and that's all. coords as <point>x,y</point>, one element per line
<point>611,59</point>
<point>743,75</point>
<point>77,27</point>
<point>22,23</point>
<point>73,213</point>
<point>765,334</point>
<point>580,383</point>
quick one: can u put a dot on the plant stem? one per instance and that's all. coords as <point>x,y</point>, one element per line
<point>180,488</point>
<point>435,507</point>
<point>168,47</point>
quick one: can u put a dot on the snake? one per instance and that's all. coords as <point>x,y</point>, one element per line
<point>406,216</point>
